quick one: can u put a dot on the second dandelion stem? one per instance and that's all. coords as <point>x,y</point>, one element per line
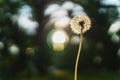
<point>77,59</point>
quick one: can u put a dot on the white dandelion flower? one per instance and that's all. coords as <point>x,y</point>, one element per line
<point>80,23</point>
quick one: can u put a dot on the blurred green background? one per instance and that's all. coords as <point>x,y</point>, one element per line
<point>36,42</point>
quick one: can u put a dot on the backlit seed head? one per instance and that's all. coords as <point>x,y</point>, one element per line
<point>80,23</point>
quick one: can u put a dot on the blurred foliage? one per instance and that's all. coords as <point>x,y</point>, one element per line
<point>46,62</point>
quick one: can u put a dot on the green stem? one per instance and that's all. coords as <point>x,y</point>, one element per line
<point>77,59</point>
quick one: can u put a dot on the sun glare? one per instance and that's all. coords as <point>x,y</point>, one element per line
<point>59,39</point>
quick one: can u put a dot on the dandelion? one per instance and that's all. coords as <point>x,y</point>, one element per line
<point>79,25</point>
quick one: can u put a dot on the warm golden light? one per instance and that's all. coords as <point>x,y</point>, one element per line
<point>59,39</point>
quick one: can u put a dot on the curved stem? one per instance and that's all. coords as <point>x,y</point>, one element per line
<point>77,59</point>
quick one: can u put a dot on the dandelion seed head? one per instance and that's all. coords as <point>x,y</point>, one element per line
<point>80,23</point>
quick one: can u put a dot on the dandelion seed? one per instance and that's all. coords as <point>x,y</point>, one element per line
<point>80,23</point>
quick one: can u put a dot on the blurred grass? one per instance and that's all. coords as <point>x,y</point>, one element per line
<point>69,76</point>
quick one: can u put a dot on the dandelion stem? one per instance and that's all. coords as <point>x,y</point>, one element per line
<point>78,55</point>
